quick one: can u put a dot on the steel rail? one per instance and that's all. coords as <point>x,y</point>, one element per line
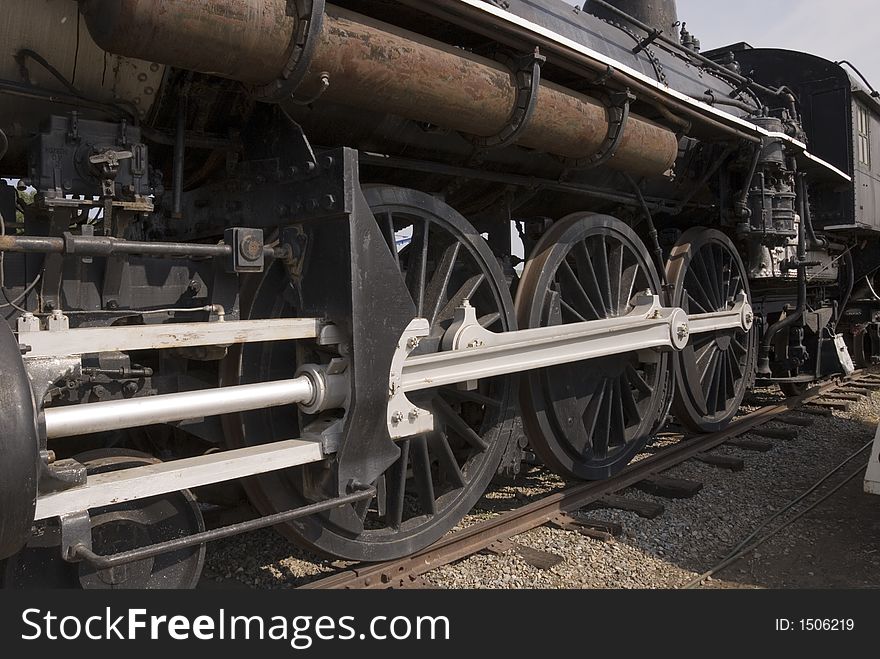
<point>464,543</point>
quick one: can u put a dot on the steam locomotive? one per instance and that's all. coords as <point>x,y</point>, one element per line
<point>268,250</point>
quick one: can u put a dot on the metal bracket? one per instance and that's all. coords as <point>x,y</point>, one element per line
<point>605,77</point>
<point>310,21</point>
<point>404,418</point>
<point>527,72</point>
<point>76,531</point>
<point>617,109</point>
<point>647,41</point>
<point>247,250</point>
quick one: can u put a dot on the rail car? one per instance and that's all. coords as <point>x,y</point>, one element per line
<point>264,250</point>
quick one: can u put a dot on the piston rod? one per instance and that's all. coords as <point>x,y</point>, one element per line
<point>167,408</point>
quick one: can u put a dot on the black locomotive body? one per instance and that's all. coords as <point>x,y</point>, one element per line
<point>841,119</point>
<point>271,251</point>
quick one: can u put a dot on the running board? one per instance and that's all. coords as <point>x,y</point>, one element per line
<point>152,480</point>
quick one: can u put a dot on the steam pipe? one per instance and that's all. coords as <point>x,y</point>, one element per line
<point>370,64</point>
<point>108,246</point>
<point>179,155</point>
<point>814,241</point>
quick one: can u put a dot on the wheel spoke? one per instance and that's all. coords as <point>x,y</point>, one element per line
<point>627,286</point>
<point>386,225</point>
<point>421,466</point>
<point>729,379</point>
<point>694,284</point>
<point>448,465</point>
<point>571,311</point>
<point>458,425</point>
<point>692,302</point>
<point>466,292</point>
<point>712,281</point>
<point>637,381</point>
<point>615,277</point>
<point>439,284</point>
<point>599,259</point>
<point>602,427</point>
<point>738,346</point>
<point>489,319</point>
<point>726,274</point>
<point>569,281</point>
<point>618,419</point>
<point>706,363</point>
<point>590,419</point>
<point>630,408</point>
<point>469,396</point>
<point>417,265</point>
<point>589,278</point>
<point>395,487</point>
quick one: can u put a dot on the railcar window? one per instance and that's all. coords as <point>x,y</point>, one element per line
<point>864,136</point>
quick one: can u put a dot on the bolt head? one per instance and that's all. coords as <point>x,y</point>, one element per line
<point>414,413</point>
<point>413,342</point>
<point>397,417</point>
<point>251,248</point>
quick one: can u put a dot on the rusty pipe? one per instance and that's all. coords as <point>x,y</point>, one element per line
<point>243,40</point>
<point>377,66</point>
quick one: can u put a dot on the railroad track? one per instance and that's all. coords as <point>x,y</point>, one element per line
<point>556,507</point>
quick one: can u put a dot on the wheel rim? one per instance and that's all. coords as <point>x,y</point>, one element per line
<point>713,372</point>
<point>589,419</point>
<point>439,476</point>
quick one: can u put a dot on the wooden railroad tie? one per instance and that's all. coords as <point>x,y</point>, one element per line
<point>841,405</point>
<point>847,396</point>
<point>868,385</point>
<point>801,421</point>
<point>721,461</point>
<point>538,558</point>
<point>776,433</point>
<point>597,529</point>
<point>750,444</point>
<point>816,411</point>
<point>642,508</point>
<point>669,488</point>
<point>858,390</point>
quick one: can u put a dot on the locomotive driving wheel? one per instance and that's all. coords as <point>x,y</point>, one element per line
<point>116,529</point>
<point>713,373</point>
<point>588,420</point>
<point>440,475</point>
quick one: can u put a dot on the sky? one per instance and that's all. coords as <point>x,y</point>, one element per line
<point>838,30</point>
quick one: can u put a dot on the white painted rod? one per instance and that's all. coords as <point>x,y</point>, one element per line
<point>134,412</point>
